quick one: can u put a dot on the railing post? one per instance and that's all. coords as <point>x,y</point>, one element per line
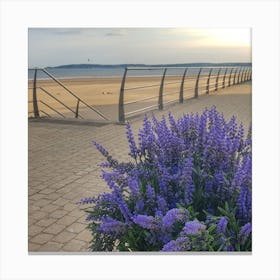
<point>181,96</point>
<point>196,84</point>
<point>77,109</point>
<point>242,75</point>
<point>35,103</point>
<point>160,96</point>
<point>224,79</point>
<point>217,80</point>
<point>121,99</point>
<point>234,77</point>
<point>208,81</point>
<point>250,74</point>
<point>247,74</point>
<point>238,80</point>
<point>229,79</point>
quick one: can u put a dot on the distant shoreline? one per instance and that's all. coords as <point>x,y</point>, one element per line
<point>92,66</point>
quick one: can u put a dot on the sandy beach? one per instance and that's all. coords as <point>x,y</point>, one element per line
<point>103,93</point>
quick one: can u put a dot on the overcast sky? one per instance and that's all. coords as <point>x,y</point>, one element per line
<point>58,46</point>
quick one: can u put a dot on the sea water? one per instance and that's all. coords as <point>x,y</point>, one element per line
<point>99,72</point>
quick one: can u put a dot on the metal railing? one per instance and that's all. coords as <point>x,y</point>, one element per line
<point>213,78</point>
<point>35,100</point>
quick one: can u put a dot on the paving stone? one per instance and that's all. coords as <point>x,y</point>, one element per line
<point>46,222</point>
<point>76,213</point>
<point>64,237</point>
<point>32,191</point>
<point>70,195</point>
<point>38,215</point>
<point>39,187</point>
<point>33,247</point>
<point>67,220</point>
<point>32,208</point>
<point>51,247</point>
<point>53,196</point>
<point>36,197</point>
<point>58,214</point>
<point>74,246</point>
<point>46,191</point>
<point>83,220</point>
<point>54,228</point>
<point>31,221</point>
<point>60,201</point>
<point>76,227</point>
<point>85,235</point>
<point>34,230</point>
<point>69,207</point>
<point>63,190</point>
<point>41,238</point>
<point>41,202</point>
<point>50,208</point>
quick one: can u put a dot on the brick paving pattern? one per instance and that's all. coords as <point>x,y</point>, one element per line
<point>63,167</point>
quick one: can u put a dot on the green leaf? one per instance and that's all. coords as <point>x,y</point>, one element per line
<point>227,207</point>
<point>212,228</point>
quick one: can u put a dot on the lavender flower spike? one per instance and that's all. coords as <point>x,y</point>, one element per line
<point>130,138</point>
<point>180,244</point>
<point>193,227</point>
<point>144,221</point>
<point>172,216</point>
<point>221,225</point>
<point>111,225</point>
<point>245,232</point>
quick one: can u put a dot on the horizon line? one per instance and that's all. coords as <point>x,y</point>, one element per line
<point>143,64</point>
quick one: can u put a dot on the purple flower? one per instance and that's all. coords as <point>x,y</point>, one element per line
<point>146,138</point>
<point>111,225</point>
<point>123,208</point>
<point>221,225</point>
<point>229,248</point>
<point>112,162</point>
<point>131,141</point>
<point>133,185</point>
<point>172,216</point>
<point>150,194</point>
<point>193,227</point>
<point>198,161</point>
<point>244,204</point>
<point>180,244</point>
<point>187,181</point>
<point>245,232</point>
<point>139,206</point>
<point>87,200</point>
<point>161,204</point>
<point>145,221</point>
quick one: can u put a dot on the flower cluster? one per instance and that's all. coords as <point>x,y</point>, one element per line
<point>187,188</point>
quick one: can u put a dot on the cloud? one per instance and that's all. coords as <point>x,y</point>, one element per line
<point>55,31</point>
<point>67,31</point>
<point>116,33</point>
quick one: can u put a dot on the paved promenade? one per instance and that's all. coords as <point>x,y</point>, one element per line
<point>63,167</point>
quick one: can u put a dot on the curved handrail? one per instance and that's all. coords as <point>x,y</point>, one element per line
<point>79,100</point>
<point>216,77</point>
